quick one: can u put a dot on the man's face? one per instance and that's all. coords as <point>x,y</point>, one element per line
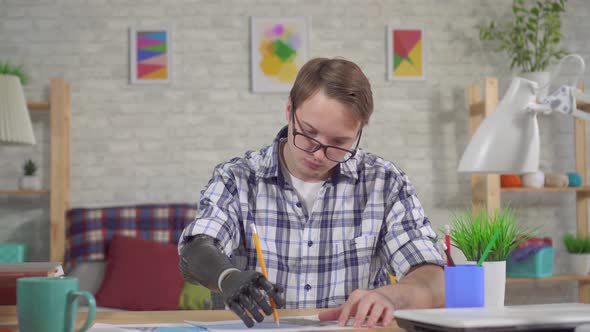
<point>329,122</point>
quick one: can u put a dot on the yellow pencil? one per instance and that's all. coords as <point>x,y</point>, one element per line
<point>275,314</point>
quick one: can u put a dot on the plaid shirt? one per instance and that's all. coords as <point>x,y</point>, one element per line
<point>366,221</point>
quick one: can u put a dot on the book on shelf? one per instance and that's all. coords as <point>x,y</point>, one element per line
<point>10,272</point>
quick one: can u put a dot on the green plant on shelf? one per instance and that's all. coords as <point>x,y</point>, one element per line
<point>531,39</point>
<point>576,244</point>
<point>29,168</point>
<point>8,69</point>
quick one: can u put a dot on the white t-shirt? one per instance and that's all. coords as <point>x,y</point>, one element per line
<point>307,191</point>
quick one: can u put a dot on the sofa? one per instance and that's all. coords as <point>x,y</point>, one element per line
<point>127,256</point>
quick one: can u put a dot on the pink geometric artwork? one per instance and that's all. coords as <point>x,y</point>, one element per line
<point>151,56</point>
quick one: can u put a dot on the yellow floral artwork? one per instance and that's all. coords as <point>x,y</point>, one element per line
<point>279,49</point>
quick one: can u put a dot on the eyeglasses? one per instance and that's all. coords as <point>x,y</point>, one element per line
<point>311,145</point>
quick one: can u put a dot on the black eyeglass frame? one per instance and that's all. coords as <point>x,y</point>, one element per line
<point>324,147</point>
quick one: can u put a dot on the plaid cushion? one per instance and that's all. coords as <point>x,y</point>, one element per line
<point>89,230</point>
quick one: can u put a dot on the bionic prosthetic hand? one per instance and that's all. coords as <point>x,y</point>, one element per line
<point>203,262</point>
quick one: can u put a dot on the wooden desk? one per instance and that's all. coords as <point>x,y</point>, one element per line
<point>8,317</point>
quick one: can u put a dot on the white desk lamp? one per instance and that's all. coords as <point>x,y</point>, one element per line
<point>15,121</point>
<point>508,141</point>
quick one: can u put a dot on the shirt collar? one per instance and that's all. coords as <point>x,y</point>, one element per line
<point>270,167</point>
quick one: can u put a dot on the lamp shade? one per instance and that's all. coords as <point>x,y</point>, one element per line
<point>507,141</point>
<point>15,121</point>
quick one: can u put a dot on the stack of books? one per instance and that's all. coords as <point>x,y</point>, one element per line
<point>10,272</point>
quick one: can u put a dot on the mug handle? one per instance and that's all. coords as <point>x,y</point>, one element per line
<point>71,313</point>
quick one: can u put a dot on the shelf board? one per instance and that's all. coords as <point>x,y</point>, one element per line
<point>547,189</point>
<point>565,277</point>
<point>18,192</point>
<point>582,106</point>
<point>38,105</point>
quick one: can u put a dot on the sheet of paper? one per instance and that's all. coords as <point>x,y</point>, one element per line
<point>98,327</point>
<point>288,324</point>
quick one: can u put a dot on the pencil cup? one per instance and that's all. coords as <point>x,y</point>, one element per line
<point>464,286</point>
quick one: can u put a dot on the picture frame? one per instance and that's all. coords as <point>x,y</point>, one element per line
<point>406,53</point>
<point>279,48</point>
<point>150,55</point>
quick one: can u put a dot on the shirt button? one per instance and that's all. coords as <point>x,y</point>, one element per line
<point>309,243</point>
<point>298,204</point>
<point>307,287</point>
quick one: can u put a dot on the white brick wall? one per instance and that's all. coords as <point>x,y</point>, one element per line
<point>141,144</point>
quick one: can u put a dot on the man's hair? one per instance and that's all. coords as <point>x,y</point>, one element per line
<point>340,79</point>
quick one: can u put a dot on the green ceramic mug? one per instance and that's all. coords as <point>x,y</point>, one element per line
<point>49,304</point>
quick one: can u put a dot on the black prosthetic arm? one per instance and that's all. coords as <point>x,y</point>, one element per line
<point>203,262</point>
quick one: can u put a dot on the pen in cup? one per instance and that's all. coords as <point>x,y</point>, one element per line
<point>445,249</point>
<point>448,245</point>
<point>450,258</point>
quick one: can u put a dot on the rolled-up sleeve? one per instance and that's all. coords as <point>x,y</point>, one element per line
<point>410,239</point>
<point>218,215</point>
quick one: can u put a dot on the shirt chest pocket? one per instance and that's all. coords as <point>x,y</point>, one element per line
<point>352,266</point>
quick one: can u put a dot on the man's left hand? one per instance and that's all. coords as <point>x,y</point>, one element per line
<point>364,305</point>
<point>422,287</point>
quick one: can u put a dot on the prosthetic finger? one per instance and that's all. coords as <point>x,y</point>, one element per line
<point>251,307</point>
<point>272,291</point>
<point>260,299</point>
<point>238,310</point>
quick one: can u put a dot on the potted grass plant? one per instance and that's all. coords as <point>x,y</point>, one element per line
<point>579,249</point>
<point>30,180</point>
<point>488,239</point>
<point>530,38</point>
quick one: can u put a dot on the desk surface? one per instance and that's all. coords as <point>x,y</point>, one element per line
<point>8,317</point>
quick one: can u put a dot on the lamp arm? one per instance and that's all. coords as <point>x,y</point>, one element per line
<point>562,100</point>
<point>579,72</point>
<point>546,110</point>
<point>539,108</point>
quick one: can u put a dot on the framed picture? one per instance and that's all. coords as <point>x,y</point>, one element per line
<point>150,53</point>
<point>406,58</point>
<point>279,48</point>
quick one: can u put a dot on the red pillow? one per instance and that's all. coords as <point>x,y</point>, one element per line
<point>140,275</point>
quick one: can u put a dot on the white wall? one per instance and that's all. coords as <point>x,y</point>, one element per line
<point>144,144</point>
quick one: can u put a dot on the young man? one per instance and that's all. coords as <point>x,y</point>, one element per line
<point>333,220</point>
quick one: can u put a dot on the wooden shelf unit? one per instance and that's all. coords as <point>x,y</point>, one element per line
<point>38,106</point>
<point>60,109</point>
<point>585,189</point>
<point>20,192</point>
<point>563,277</point>
<point>486,189</point>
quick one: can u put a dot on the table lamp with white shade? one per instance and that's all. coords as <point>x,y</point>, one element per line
<point>508,140</point>
<point>15,121</point>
